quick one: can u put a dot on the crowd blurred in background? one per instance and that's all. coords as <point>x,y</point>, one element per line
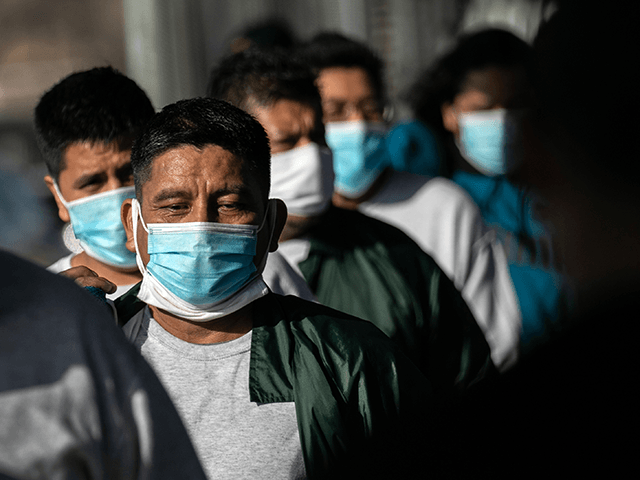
<point>473,128</point>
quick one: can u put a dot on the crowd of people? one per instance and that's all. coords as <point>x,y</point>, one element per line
<point>275,281</point>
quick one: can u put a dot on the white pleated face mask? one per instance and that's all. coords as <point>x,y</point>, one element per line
<point>303,178</point>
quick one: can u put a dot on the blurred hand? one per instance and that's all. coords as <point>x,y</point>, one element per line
<point>86,277</point>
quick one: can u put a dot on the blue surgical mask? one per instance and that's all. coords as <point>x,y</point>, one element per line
<point>202,263</point>
<point>97,225</point>
<point>359,155</point>
<point>483,140</point>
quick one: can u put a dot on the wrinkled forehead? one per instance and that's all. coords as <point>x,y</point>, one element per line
<point>190,167</point>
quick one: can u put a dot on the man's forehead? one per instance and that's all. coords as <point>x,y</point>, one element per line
<point>88,154</point>
<point>186,163</point>
<point>349,81</point>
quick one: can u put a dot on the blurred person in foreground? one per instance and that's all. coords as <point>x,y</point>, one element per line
<point>352,263</point>
<point>436,213</point>
<point>570,409</point>
<point>267,385</point>
<point>86,125</point>
<point>76,399</point>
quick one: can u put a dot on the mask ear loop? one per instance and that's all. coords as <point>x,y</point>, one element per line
<point>135,211</point>
<point>57,189</point>
<point>271,212</point>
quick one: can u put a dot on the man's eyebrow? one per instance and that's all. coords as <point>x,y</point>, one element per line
<point>171,193</point>
<point>239,189</point>
<point>88,178</point>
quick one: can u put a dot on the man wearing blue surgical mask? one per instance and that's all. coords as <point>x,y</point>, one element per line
<point>268,385</point>
<point>473,97</point>
<point>85,126</point>
<point>436,213</point>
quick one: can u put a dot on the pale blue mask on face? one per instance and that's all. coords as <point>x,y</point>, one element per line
<point>97,225</point>
<point>483,142</point>
<point>201,262</point>
<point>359,155</point>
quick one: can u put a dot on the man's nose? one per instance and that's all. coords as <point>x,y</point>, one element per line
<point>115,182</point>
<point>204,212</point>
<point>355,114</point>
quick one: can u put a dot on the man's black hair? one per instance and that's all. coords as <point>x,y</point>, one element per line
<point>200,122</point>
<point>329,49</point>
<point>100,105</point>
<point>445,79</point>
<point>257,77</point>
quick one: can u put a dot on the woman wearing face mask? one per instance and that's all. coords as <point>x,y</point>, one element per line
<point>471,98</point>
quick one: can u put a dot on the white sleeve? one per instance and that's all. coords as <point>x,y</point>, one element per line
<point>469,252</point>
<point>281,278</point>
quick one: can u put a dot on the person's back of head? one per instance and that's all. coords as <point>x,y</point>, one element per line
<point>582,150</point>
<point>587,86</point>
<point>99,106</point>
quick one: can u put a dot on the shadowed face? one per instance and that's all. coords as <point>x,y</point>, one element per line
<point>348,95</point>
<point>489,88</point>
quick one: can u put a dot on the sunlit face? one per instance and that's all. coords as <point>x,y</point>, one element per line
<point>490,88</point>
<point>290,124</point>
<point>348,95</point>
<point>191,185</point>
<point>90,169</point>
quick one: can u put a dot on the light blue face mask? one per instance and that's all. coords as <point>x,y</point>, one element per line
<point>483,140</point>
<point>97,225</point>
<point>201,262</point>
<point>359,155</point>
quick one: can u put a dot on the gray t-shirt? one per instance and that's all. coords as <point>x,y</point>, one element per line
<point>209,384</point>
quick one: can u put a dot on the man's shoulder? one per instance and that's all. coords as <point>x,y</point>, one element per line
<point>310,322</point>
<point>352,227</point>
<point>408,190</point>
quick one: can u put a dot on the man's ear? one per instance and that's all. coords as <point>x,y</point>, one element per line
<point>63,213</point>
<point>281,219</point>
<point>127,221</point>
<point>449,118</point>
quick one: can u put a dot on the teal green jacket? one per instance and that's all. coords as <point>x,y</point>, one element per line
<point>372,270</point>
<point>362,406</point>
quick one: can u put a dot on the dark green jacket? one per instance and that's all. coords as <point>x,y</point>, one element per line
<point>362,406</point>
<point>374,271</point>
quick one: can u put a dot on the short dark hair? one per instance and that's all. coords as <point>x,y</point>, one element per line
<point>199,122</point>
<point>444,80</point>
<point>330,49</point>
<point>100,105</point>
<point>262,77</point>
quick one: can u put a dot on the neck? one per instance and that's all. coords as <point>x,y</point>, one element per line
<point>346,203</point>
<point>113,274</point>
<point>223,329</point>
